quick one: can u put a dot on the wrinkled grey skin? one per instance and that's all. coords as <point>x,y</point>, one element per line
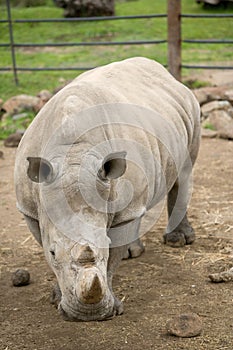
<point>53,163</point>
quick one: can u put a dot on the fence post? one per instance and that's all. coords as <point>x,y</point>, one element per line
<point>174,37</point>
<point>12,41</point>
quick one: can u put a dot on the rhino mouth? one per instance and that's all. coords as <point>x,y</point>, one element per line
<point>81,312</point>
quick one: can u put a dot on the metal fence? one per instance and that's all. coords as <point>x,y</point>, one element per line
<point>174,39</point>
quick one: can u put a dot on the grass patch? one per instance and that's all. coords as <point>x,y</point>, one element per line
<point>195,83</point>
<point>9,126</point>
<point>209,126</point>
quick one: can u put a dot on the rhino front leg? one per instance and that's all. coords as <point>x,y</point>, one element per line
<point>115,256</point>
<point>134,250</point>
<point>179,232</point>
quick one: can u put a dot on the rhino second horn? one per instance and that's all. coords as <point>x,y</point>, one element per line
<point>90,290</point>
<point>86,255</point>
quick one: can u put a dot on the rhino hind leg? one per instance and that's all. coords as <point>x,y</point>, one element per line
<point>134,250</point>
<point>179,231</point>
<point>182,235</point>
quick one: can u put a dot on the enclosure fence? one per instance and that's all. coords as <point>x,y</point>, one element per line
<point>174,39</point>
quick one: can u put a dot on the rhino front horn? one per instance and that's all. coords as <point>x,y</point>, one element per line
<point>90,287</point>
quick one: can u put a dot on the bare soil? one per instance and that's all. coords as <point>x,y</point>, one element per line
<point>163,282</point>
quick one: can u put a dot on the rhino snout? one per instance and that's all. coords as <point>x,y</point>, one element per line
<point>88,312</point>
<point>90,287</point>
<point>92,300</point>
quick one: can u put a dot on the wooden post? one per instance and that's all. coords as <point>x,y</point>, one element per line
<point>174,37</point>
<point>12,45</point>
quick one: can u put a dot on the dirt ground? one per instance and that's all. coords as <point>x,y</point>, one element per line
<point>163,282</point>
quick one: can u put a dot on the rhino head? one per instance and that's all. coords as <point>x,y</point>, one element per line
<point>74,232</point>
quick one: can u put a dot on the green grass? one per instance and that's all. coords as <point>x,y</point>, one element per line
<point>9,126</point>
<point>195,83</point>
<point>33,82</point>
<point>209,126</point>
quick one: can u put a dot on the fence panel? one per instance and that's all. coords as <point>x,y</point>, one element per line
<point>206,41</point>
<point>174,39</point>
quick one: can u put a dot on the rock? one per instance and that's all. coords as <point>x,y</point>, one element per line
<point>209,107</point>
<point>13,140</point>
<point>207,133</point>
<point>20,116</point>
<point>1,155</point>
<point>221,122</point>
<point>208,94</point>
<point>44,96</point>
<point>226,276</point>
<point>20,278</point>
<point>229,95</point>
<point>185,325</point>
<point>86,8</point>
<point>218,115</point>
<point>201,96</point>
<point>20,103</point>
<point>226,132</point>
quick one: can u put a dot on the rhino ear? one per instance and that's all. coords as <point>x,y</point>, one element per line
<point>40,170</point>
<point>113,166</point>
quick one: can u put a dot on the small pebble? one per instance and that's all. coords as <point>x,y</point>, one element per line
<point>20,278</point>
<point>185,325</point>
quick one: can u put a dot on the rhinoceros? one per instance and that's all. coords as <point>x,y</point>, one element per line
<point>99,156</point>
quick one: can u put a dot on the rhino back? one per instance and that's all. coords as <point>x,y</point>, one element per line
<point>138,81</point>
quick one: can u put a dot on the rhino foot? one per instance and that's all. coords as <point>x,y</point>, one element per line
<point>134,250</point>
<point>56,295</point>
<point>179,237</point>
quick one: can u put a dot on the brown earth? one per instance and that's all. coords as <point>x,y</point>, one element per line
<point>163,282</point>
